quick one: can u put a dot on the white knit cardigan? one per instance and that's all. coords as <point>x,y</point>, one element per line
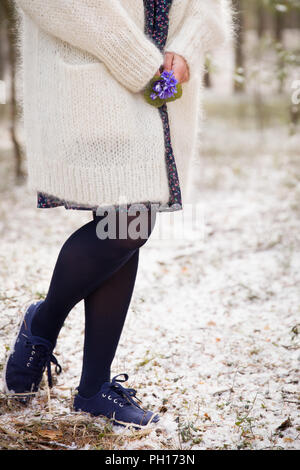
<point>90,136</point>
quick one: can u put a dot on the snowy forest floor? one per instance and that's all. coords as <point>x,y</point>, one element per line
<point>211,339</point>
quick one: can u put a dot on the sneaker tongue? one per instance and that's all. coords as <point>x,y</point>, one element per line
<point>122,395</point>
<point>106,386</point>
<point>38,341</point>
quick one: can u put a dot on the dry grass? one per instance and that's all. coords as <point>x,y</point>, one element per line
<point>56,432</point>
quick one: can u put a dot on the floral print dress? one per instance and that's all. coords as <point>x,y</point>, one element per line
<point>156,27</point>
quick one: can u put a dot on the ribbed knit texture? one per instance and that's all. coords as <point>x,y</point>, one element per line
<point>90,136</point>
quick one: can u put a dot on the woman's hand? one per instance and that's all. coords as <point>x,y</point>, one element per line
<point>179,66</point>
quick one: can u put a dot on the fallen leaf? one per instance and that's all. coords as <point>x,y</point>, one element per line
<point>207,416</point>
<point>50,433</point>
<point>284,425</point>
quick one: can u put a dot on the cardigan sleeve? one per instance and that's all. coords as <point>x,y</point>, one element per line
<point>104,29</point>
<point>206,26</point>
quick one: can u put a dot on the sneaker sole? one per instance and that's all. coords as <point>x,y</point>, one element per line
<point>123,423</point>
<point>134,425</point>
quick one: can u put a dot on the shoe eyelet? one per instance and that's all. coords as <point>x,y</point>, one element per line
<point>109,397</point>
<point>28,364</point>
<point>115,400</point>
<point>121,406</point>
<point>103,394</point>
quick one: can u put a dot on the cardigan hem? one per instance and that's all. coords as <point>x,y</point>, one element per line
<point>129,185</point>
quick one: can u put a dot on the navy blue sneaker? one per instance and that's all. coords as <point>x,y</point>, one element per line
<point>29,357</point>
<point>116,403</point>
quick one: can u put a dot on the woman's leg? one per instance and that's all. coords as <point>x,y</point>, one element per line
<point>84,264</point>
<point>105,313</point>
<point>103,273</point>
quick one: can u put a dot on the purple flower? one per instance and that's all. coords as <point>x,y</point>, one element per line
<point>165,86</point>
<point>157,86</point>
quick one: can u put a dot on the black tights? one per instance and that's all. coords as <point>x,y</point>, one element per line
<point>103,273</point>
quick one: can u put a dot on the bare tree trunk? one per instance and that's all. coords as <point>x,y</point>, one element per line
<point>261,19</point>
<point>2,42</point>
<point>12,57</point>
<point>207,80</point>
<point>279,23</point>
<point>239,86</point>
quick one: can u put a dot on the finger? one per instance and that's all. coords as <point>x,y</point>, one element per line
<point>168,61</point>
<point>181,67</point>
<point>185,77</point>
<point>179,73</point>
<point>183,73</point>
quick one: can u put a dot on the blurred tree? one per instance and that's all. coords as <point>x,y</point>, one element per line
<point>9,17</point>
<point>2,42</point>
<point>239,82</point>
<point>286,15</point>
<point>207,74</point>
<point>260,18</point>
